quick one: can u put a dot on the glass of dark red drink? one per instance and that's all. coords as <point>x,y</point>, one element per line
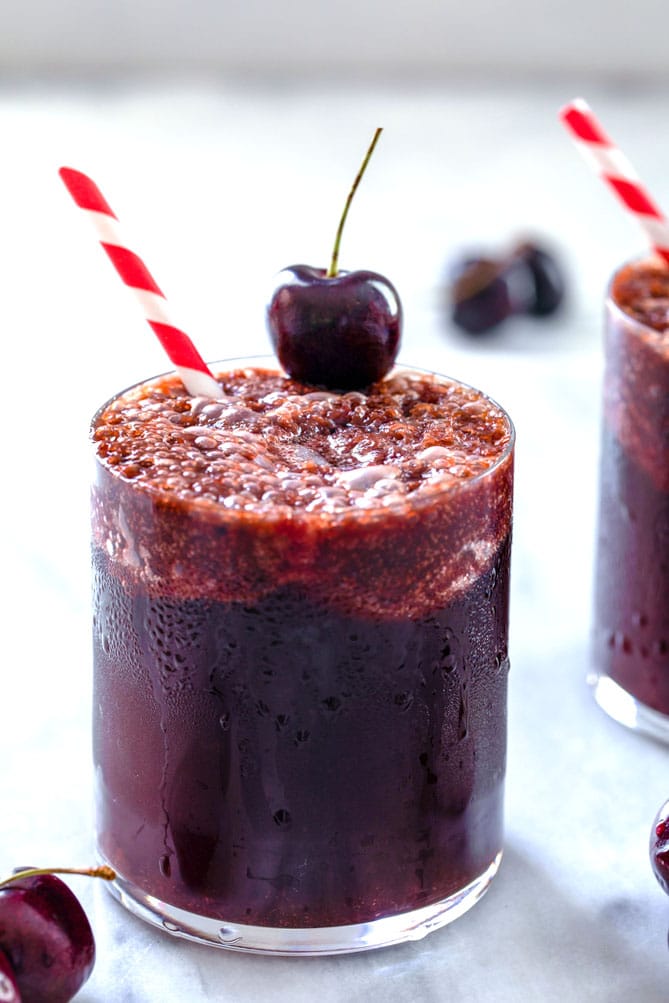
<point>300,641</point>
<point>631,633</point>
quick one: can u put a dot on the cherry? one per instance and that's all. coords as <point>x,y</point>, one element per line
<point>335,328</point>
<point>45,935</point>
<point>341,332</point>
<point>548,281</point>
<point>486,291</point>
<point>659,847</point>
<point>481,298</point>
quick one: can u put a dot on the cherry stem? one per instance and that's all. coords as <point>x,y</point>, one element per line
<point>33,872</point>
<point>334,263</point>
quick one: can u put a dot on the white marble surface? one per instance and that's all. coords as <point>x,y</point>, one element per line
<point>221,186</point>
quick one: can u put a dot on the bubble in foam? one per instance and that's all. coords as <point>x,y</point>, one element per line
<point>363,478</point>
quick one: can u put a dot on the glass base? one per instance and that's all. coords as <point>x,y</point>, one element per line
<point>305,942</point>
<point>627,710</point>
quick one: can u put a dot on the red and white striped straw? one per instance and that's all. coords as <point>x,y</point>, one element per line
<point>181,351</point>
<point>615,169</point>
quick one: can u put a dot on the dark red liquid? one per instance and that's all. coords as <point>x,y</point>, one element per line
<point>632,575</point>
<point>632,604</point>
<point>283,764</point>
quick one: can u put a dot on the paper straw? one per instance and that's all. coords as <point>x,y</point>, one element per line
<point>611,164</point>
<point>181,351</point>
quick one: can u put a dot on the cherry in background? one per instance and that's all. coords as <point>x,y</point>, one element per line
<point>485,291</point>
<point>335,328</point>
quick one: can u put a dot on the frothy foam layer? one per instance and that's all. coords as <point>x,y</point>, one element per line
<point>271,443</point>
<point>387,504</point>
<point>641,290</point>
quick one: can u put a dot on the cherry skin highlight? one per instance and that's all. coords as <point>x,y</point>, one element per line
<point>341,332</point>
<point>9,991</point>
<point>46,938</point>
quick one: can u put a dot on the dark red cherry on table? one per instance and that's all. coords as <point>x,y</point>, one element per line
<point>659,847</point>
<point>335,328</point>
<point>484,291</point>
<point>548,281</point>
<point>45,937</point>
<point>481,296</point>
